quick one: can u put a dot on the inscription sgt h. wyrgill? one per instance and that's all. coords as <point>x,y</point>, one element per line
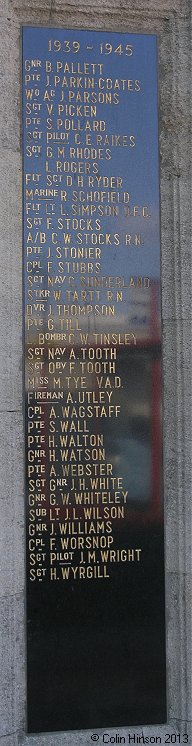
<point>91,247</point>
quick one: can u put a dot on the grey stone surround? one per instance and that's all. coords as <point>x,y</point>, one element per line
<point>170,19</point>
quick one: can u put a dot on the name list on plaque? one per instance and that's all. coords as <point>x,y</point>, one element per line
<point>92,321</point>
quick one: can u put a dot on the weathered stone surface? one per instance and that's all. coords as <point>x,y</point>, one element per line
<point>183,727</point>
<point>178,620</point>
<point>170,19</point>
<point>12,537</point>
<point>78,738</point>
<point>12,650</point>
<point>11,282</point>
<point>10,740</point>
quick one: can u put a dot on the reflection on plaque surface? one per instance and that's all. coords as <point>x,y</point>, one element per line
<point>95,566</point>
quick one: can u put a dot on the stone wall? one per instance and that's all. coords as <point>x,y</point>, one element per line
<point>170,19</point>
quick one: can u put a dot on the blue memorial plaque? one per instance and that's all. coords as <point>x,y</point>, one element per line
<point>92,323</point>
